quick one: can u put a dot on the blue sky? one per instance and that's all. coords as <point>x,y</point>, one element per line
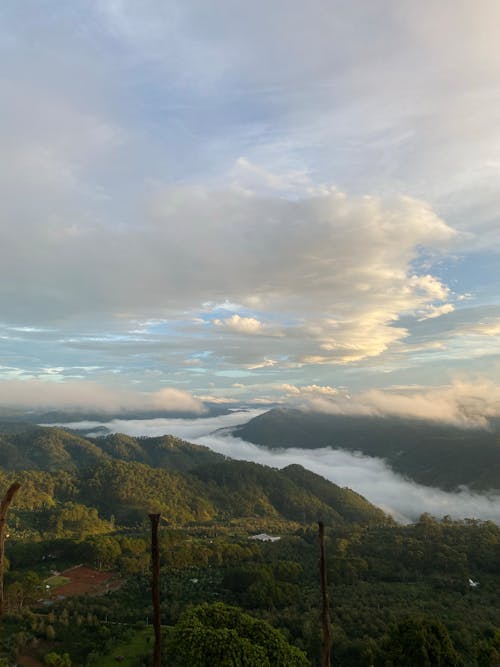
<point>248,201</point>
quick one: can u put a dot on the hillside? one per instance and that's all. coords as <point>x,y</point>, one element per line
<point>430,453</point>
<point>66,478</point>
<point>26,447</point>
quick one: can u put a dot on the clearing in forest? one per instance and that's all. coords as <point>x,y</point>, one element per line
<point>83,580</point>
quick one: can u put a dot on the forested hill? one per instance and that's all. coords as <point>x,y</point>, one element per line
<point>429,452</point>
<point>73,481</point>
<point>26,447</point>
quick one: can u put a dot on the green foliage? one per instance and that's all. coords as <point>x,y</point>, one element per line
<point>293,493</point>
<point>419,642</point>
<point>56,660</point>
<point>77,521</point>
<point>92,487</point>
<point>37,448</point>
<point>130,490</point>
<point>222,635</point>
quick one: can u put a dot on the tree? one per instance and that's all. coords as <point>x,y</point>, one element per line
<point>222,635</point>
<point>420,642</point>
<point>57,660</point>
<point>4,509</point>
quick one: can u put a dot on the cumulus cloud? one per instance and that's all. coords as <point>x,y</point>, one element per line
<point>82,396</point>
<point>238,324</point>
<point>464,404</point>
<point>339,269</point>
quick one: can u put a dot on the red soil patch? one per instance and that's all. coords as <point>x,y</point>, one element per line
<point>28,661</point>
<point>85,580</point>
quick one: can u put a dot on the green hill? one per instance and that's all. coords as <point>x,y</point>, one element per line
<point>124,478</point>
<point>430,453</point>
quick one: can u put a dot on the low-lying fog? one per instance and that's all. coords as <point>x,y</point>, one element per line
<point>371,477</point>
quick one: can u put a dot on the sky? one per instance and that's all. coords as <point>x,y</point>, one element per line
<point>241,202</point>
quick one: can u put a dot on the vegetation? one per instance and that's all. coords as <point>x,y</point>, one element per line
<point>218,634</point>
<point>74,477</point>
<point>226,599</point>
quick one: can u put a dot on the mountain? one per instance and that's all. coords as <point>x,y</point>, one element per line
<point>431,453</point>
<point>63,416</point>
<point>125,478</point>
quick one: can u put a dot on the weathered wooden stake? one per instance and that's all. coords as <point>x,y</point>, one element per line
<point>155,587</point>
<point>326,639</point>
<point>4,508</point>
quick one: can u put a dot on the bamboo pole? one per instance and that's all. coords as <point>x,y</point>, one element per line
<point>326,660</point>
<point>155,587</point>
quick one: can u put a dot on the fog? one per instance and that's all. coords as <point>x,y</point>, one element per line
<point>371,477</point>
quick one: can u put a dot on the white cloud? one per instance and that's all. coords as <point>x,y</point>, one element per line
<point>220,400</point>
<point>338,269</point>
<point>80,396</point>
<point>238,324</point>
<point>436,311</point>
<point>252,178</point>
<point>466,404</point>
<point>333,273</point>
<point>292,390</point>
<point>490,328</point>
<point>266,363</point>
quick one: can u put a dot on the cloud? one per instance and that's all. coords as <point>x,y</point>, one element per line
<point>313,100</point>
<point>369,476</point>
<point>220,400</point>
<point>312,389</point>
<point>237,324</point>
<point>82,396</point>
<point>436,311</point>
<point>252,178</point>
<point>338,271</point>
<point>463,404</point>
<point>490,328</point>
<point>265,363</point>
<point>170,163</point>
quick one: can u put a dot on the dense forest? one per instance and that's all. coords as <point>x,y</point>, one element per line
<point>420,594</point>
<point>429,452</point>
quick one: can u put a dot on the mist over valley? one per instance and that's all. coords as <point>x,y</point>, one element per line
<point>370,475</point>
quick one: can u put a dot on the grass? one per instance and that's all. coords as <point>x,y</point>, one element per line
<point>131,649</point>
<point>56,581</point>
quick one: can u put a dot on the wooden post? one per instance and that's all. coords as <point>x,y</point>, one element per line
<point>4,508</point>
<point>326,639</point>
<point>155,587</point>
